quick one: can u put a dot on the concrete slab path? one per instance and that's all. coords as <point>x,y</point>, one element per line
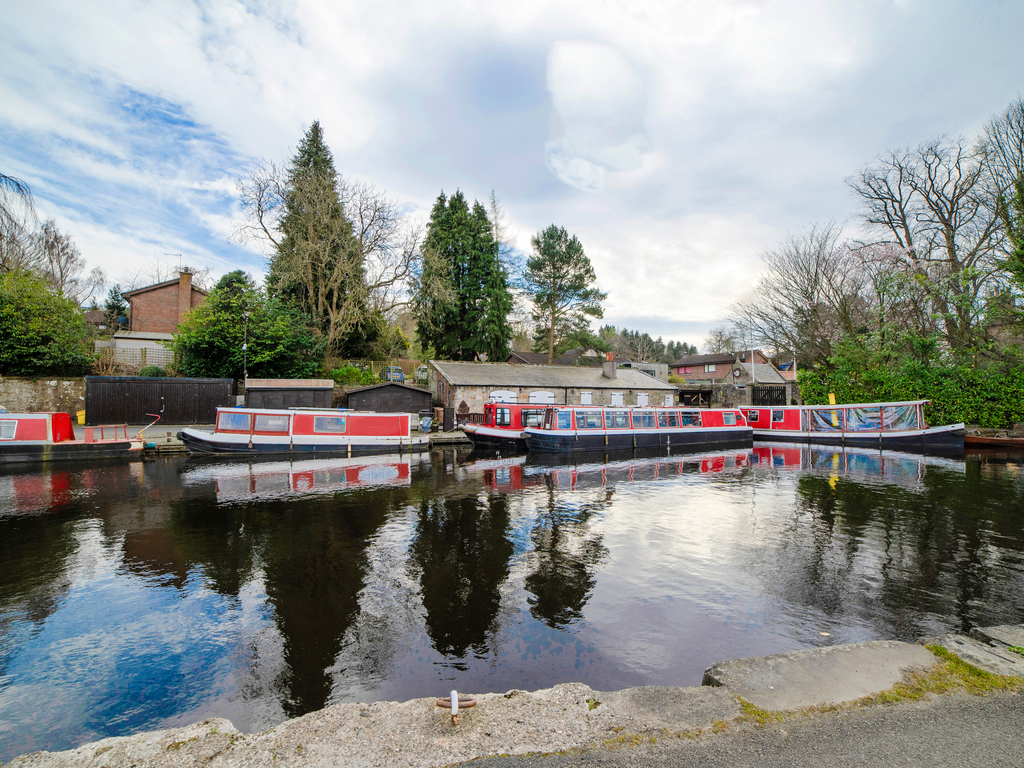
<point>820,675</point>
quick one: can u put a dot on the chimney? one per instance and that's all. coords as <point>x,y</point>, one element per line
<point>608,366</point>
<point>184,294</point>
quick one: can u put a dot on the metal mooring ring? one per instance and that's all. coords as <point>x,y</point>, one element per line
<point>465,702</point>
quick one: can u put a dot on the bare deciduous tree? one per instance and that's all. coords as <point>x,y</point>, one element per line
<point>19,248</point>
<point>809,297</point>
<point>63,265</point>
<point>388,242</point>
<point>935,203</point>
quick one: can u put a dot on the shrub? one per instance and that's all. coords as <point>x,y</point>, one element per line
<point>350,374</point>
<point>153,372</point>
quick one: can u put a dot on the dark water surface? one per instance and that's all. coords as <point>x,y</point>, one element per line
<point>148,595</point>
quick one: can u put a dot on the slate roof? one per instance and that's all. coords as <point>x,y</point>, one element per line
<point>389,384</point>
<point>573,377</point>
<point>765,374</point>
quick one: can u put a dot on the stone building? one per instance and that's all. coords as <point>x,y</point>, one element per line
<point>466,387</point>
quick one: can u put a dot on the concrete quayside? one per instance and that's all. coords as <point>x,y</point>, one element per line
<point>573,717</point>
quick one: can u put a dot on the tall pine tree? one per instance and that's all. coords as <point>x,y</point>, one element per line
<point>463,301</point>
<point>317,266</point>
<point>560,277</point>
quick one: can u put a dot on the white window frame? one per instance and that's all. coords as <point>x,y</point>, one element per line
<point>586,398</point>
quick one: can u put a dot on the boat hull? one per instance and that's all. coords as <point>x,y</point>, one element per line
<point>494,438</point>
<point>29,453</point>
<point>943,439</point>
<point>554,441</point>
<point>211,444</point>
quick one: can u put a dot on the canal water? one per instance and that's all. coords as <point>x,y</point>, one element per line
<point>149,595</point>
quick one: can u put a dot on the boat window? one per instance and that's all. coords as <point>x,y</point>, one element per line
<point>532,417</point>
<point>618,419</point>
<point>564,420</point>
<point>7,429</point>
<point>266,422</point>
<point>690,419</point>
<point>330,424</point>
<point>778,416</point>
<point>752,415</point>
<point>588,420</point>
<point>831,420</point>
<point>502,417</point>
<point>899,417</point>
<point>488,415</point>
<point>643,419</point>
<point>234,422</point>
<point>668,419</point>
<point>729,419</point>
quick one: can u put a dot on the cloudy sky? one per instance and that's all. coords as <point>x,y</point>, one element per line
<point>677,140</point>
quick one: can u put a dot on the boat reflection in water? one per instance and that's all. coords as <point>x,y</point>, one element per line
<point>312,477</point>
<point>862,464</point>
<point>517,473</point>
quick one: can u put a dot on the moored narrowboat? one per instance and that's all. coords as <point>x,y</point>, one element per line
<point>568,429</point>
<point>32,437</point>
<point>872,425</point>
<point>306,432</point>
<point>503,425</point>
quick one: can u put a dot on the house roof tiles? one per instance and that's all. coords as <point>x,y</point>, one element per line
<point>575,377</point>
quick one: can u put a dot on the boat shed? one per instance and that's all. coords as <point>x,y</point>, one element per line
<point>390,397</point>
<point>288,393</point>
<point>466,387</point>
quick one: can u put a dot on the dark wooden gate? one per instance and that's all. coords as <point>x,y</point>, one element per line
<point>769,395</point>
<point>128,399</point>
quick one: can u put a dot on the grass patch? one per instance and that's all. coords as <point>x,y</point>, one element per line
<point>1017,649</point>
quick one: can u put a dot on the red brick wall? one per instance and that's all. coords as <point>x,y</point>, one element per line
<point>158,311</point>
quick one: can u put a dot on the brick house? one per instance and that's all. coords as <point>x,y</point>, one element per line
<point>160,308</point>
<point>714,367</point>
<point>732,379</point>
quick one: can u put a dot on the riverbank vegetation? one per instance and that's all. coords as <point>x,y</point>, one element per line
<point>927,299</point>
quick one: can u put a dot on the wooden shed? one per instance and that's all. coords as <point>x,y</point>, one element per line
<point>288,393</point>
<point>390,397</point>
<point>132,399</point>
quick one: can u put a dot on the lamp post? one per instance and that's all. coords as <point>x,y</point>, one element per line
<point>245,346</point>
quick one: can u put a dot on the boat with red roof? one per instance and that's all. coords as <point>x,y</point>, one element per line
<point>39,437</point>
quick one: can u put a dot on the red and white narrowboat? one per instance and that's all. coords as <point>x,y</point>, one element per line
<point>30,437</point>
<point>568,429</point>
<point>306,432</point>
<point>503,425</point>
<point>872,425</point>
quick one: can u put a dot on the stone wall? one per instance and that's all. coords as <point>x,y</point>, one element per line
<point>20,395</point>
<point>476,397</point>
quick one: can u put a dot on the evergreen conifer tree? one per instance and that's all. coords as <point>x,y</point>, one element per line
<point>464,300</point>
<point>560,278</point>
<point>317,266</point>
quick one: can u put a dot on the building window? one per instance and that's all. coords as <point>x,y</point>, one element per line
<point>709,368</point>
<point>688,369</point>
<point>617,398</point>
<point>586,398</point>
<point>641,398</point>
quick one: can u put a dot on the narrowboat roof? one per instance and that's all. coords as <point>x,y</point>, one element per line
<point>827,406</point>
<point>540,376</point>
